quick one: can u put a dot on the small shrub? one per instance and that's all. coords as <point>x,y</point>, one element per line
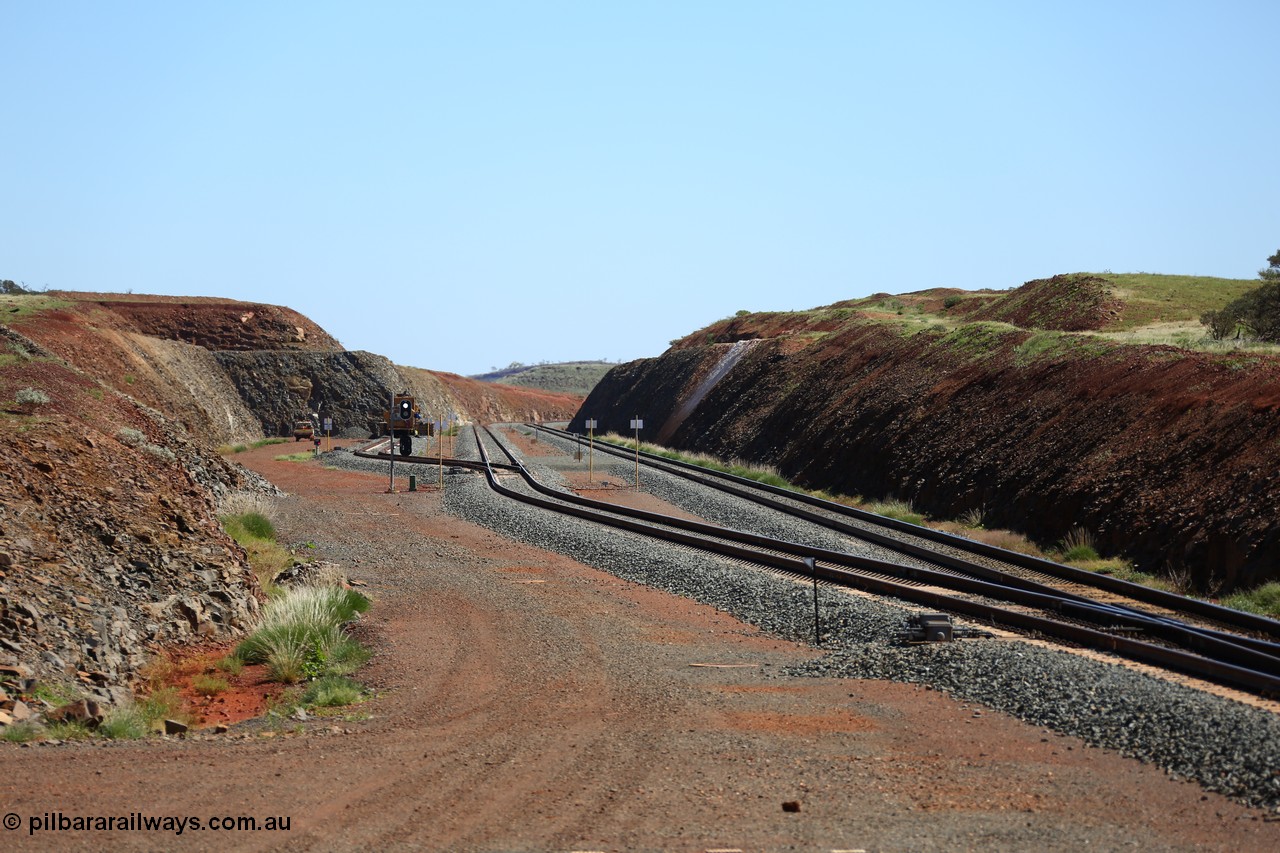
<point>239,503</point>
<point>317,661</point>
<point>257,525</point>
<point>267,640</point>
<point>160,452</point>
<point>254,532</point>
<point>21,732</point>
<point>131,436</point>
<point>287,662</point>
<point>1179,579</point>
<point>138,439</point>
<point>972,519</point>
<point>1080,554</point>
<point>331,691</point>
<point>209,685</point>
<point>1265,600</point>
<point>1078,546</point>
<point>124,723</point>
<point>346,656</point>
<point>900,510</point>
<point>952,301</point>
<point>268,560</point>
<point>300,636</point>
<point>68,731</point>
<point>231,665</point>
<point>1006,539</point>
<point>29,398</point>
<point>327,604</point>
<point>1121,570</point>
<point>162,703</point>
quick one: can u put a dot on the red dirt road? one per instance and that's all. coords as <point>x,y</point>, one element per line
<point>526,702</point>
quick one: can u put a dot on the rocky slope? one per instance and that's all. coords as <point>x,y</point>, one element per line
<point>110,546</point>
<point>109,542</point>
<point>1168,457</point>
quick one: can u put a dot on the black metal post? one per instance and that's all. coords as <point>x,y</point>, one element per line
<point>817,628</point>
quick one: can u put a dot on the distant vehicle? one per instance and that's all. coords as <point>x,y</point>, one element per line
<point>303,429</point>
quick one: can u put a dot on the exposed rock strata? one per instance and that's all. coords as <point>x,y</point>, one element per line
<point>110,547</point>
<point>108,551</point>
<point>1169,457</point>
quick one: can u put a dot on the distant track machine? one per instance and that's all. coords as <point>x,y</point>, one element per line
<point>404,421</point>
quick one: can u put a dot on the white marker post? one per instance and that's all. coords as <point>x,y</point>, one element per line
<point>591,451</point>
<point>637,424</point>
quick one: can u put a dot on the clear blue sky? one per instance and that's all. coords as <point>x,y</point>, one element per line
<point>462,185</point>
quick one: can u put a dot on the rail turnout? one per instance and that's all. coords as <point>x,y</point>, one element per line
<point>989,585</point>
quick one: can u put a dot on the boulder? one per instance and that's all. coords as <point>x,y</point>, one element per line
<point>87,712</point>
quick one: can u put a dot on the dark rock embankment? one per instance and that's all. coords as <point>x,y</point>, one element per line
<point>1168,457</point>
<point>110,546</point>
<point>353,389</point>
<point>280,387</point>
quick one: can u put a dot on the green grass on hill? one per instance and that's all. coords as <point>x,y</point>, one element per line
<point>1156,309</point>
<point>15,306</point>
<point>573,377</point>
<point>1151,299</point>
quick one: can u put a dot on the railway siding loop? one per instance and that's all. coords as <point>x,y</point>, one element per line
<point>765,495</point>
<point>1215,658</point>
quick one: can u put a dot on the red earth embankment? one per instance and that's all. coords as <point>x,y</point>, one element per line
<point>1168,457</point>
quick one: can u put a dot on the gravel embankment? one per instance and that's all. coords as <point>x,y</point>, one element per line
<point>1227,747</point>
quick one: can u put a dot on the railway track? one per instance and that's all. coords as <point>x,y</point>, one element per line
<point>1234,649</point>
<point>950,552</point>
<point>1246,661</point>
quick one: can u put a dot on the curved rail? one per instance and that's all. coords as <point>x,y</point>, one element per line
<point>751,490</point>
<point>1235,665</point>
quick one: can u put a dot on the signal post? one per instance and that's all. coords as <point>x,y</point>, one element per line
<point>637,424</point>
<point>591,449</point>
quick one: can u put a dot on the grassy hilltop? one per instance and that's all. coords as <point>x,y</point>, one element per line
<point>570,377</point>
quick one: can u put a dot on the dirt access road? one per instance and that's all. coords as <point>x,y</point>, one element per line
<point>527,702</point>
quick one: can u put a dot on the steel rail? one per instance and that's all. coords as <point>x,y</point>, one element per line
<point>1234,674</point>
<point>741,487</point>
<point>1024,592</point>
<point>750,490</point>
<point>367,452</point>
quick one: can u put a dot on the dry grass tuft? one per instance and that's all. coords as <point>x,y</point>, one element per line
<point>245,503</point>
